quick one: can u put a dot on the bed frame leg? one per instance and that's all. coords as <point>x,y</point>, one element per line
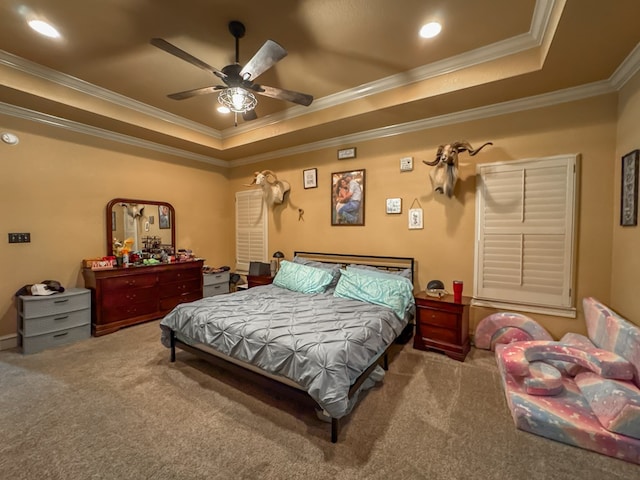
<point>335,425</point>
<point>385,361</point>
<point>172,341</point>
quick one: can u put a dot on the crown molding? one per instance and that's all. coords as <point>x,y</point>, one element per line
<point>38,117</point>
<point>68,81</point>
<point>504,48</point>
<point>529,103</point>
<point>511,46</point>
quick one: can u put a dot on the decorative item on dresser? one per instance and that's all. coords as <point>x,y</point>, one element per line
<point>52,320</point>
<point>442,324</point>
<point>257,280</point>
<point>127,296</point>
<point>215,284</point>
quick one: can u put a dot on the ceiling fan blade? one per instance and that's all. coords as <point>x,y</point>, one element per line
<point>269,54</point>
<point>194,92</point>
<point>187,57</point>
<point>249,115</point>
<point>281,94</point>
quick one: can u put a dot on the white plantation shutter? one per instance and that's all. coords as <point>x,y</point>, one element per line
<point>525,215</point>
<point>251,229</point>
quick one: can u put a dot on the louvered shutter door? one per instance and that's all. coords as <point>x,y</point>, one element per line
<point>525,220</point>
<point>251,229</point>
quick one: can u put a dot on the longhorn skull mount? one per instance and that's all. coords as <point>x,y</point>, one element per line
<point>445,174</point>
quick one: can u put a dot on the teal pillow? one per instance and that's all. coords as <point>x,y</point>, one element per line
<point>390,291</point>
<point>302,278</point>
<point>406,273</point>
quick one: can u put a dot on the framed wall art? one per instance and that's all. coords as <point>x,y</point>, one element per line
<point>164,217</point>
<point>415,219</point>
<point>629,190</point>
<point>394,205</point>
<point>310,178</point>
<point>345,153</point>
<point>347,198</point>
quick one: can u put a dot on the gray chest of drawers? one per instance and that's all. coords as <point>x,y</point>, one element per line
<point>215,284</point>
<point>52,320</point>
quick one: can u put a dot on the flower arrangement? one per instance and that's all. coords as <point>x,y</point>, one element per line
<point>123,248</point>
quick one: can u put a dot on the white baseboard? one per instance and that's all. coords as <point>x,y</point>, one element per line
<point>8,341</point>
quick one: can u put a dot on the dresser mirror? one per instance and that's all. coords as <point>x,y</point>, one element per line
<point>149,224</point>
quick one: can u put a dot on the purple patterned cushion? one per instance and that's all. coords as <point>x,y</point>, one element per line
<point>543,379</point>
<point>507,327</point>
<point>517,357</point>
<point>609,331</point>
<point>616,403</point>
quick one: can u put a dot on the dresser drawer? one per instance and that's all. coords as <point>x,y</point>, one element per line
<point>131,281</point>
<point>39,306</point>
<point>439,334</point>
<point>169,303</point>
<point>129,296</point>
<point>179,288</point>
<point>219,289</point>
<point>54,323</point>
<point>437,318</point>
<point>215,278</point>
<point>38,343</point>
<point>181,274</point>
<point>117,313</point>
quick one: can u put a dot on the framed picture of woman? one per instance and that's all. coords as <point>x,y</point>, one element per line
<point>347,198</point>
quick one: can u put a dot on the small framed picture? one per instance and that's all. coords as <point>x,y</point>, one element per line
<point>310,178</point>
<point>394,205</point>
<point>415,219</point>
<point>629,190</point>
<point>345,153</point>
<point>164,217</point>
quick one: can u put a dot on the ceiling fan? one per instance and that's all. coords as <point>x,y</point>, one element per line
<point>237,92</point>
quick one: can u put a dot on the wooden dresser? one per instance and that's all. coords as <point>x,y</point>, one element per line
<point>129,295</point>
<point>442,324</point>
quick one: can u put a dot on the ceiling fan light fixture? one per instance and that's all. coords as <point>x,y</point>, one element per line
<point>237,99</point>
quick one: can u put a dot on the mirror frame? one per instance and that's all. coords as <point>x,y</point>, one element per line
<point>116,201</point>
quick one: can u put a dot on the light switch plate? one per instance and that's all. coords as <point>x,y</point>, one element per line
<point>406,164</point>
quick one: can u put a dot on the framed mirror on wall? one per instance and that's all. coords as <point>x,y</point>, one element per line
<point>149,223</point>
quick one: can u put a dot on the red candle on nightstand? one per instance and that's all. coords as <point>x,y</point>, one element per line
<point>457,291</point>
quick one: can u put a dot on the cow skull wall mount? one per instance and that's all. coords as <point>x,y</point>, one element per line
<point>445,174</point>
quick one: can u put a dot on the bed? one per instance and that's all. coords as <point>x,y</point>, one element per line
<point>324,326</point>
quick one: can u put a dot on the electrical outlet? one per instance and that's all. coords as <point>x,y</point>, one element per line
<point>406,164</point>
<point>19,238</point>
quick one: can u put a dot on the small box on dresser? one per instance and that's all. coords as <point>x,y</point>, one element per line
<point>215,284</point>
<point>442,324</point>
<point>52,320</point>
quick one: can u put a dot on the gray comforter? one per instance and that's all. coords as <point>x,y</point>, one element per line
<point>321,342</point>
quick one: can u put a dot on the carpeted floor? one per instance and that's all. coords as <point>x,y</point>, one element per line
<point>115,408</point>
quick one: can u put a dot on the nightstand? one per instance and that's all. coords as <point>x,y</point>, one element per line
<point>442,324</point>
<point>256,280</point>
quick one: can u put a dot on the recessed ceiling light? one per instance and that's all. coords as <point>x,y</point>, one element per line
<point>430,30</point>
<point>44,28</point>
<point>223,109</point>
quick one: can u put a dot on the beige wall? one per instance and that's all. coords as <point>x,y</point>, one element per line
<point>625,272</point>
<point>56,184</point>
<point>444,249</point>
